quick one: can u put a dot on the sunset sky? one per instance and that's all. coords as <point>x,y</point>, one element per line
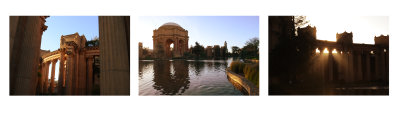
<point>364,28</point>
<point>207,30</point>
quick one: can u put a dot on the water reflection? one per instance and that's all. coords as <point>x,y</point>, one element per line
<point>184,77</point>
<point>171,77</point>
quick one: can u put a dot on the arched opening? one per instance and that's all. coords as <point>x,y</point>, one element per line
<point>170,48</point>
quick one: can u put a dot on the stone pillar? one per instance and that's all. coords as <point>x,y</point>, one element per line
<point>46,78</point>
<point>89,75</point>
<point>76,73</point>
<point>42,78</point>
<point>359,74</point>
<point>330,66</point>
<point>368,64</point>
<point>25,40</point>
<point>343,65</point>
<point>70,74</point>
<point>61,79</point>
<point>53,69</point>
<point>114,55</point>
<point>82,74</point>
<point>351,70</point>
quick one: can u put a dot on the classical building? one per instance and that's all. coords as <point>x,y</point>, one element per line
<point>79,70</point>
<point>167,35</point>
<point>346,62</point>
<point>76,70</point>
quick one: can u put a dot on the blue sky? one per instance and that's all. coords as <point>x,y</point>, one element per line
<point>207,30</point>
<point>65,25</point>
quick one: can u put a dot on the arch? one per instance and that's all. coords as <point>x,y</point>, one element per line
<point>169,51</point>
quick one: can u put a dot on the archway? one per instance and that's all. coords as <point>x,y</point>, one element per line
<point>170,47</point>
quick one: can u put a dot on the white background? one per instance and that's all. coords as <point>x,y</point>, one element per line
<point>201,104</point>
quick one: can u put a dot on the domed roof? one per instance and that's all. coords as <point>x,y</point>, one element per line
<point>171,24</point>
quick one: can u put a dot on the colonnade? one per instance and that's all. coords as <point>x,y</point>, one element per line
<point>365,63</point>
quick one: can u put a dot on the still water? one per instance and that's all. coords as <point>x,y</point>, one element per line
<point>185,77</point>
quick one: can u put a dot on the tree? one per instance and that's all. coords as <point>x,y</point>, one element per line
<point>235,51</point>
<point>93,42</point>
<point>300,21</point>
<point>250,50</point>
<point>198,49</point>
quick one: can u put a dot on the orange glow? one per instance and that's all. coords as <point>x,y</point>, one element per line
<point>334,51</point>
<point>326,50</point>
<point>317,51</point>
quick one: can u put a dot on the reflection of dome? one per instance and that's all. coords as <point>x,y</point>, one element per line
<point>171,24</point>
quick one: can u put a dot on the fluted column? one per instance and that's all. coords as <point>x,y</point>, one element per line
<point>61,73</point>
<point>41,82</point>
<point>25,41</point>
<point>359,68</point>
<point>90,75</point>
<point>82,74</point>
<point>52,79</point>
<point>368,64</point>
<point>114,55</point>
<point>68,78</point>
<point>46,78</point>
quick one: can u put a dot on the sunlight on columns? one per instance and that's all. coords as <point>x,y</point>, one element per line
<point>317,51</point>
<point>334,51</point>
<point>326,50</point>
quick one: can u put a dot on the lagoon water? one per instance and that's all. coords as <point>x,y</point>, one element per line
<point>185,77</point>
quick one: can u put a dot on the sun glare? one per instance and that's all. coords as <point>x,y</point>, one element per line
<point>364,28</point>
<point>317,51</point>
<point>326,50</point>
<point>334,51</point>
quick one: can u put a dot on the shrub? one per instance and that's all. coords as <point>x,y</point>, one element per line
<point>249,70</point>
<point>251,73</point>
<point>237,67</point>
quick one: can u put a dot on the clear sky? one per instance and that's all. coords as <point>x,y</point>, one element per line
<point>207,30</point>
<point>65,25</point>
<point>364,28</point>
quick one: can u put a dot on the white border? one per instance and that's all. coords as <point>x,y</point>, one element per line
<point>201,104</point>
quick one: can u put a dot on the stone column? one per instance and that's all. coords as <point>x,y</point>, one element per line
<point>61,73</point>
<point>114,55</point>
<point>68,78</point>
<point>46,78</point>
<point>90,75</point>
<point>82,74</point>
<point>330,66</point>
<point>359,74</point>
<point>351,74</point>
<point>43,71</point>
<point>25,40</point>
<point>368,64</point>
<point>76,73</point>
<point>53,69</point>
